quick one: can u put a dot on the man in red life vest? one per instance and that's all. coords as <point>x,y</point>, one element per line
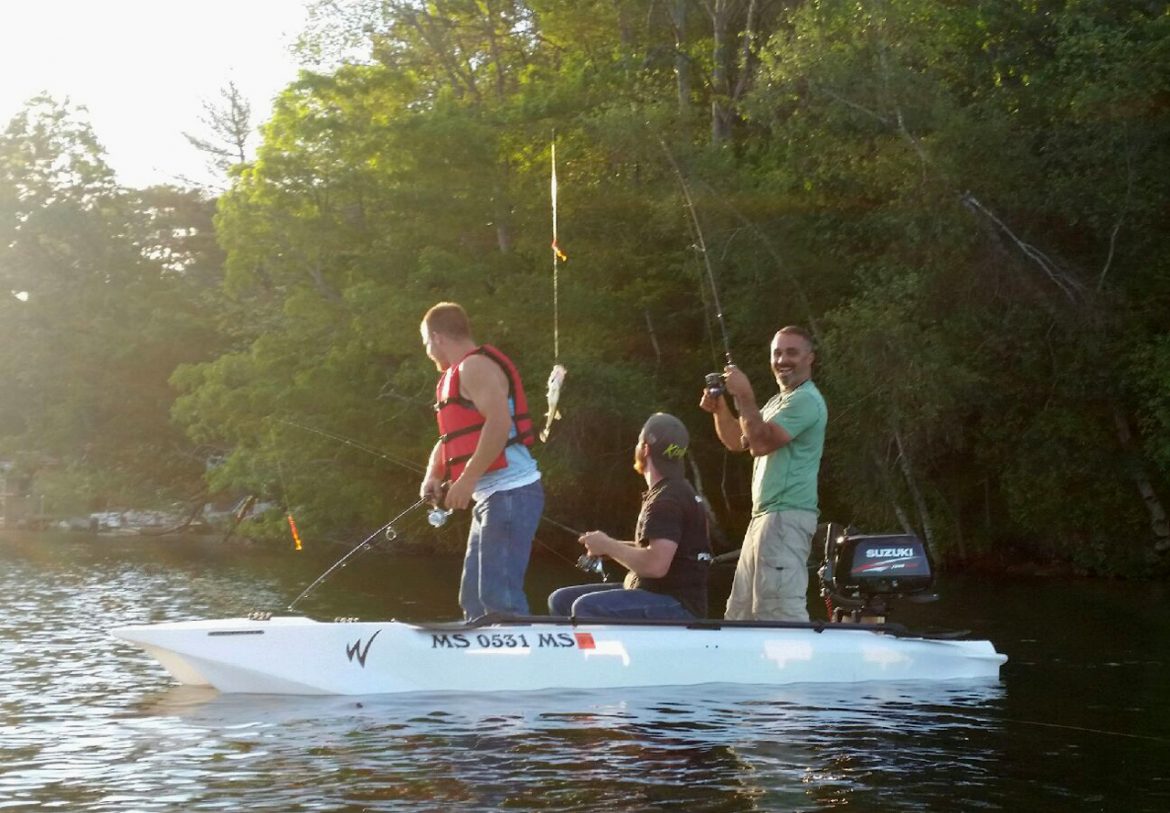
<point>482,454</point>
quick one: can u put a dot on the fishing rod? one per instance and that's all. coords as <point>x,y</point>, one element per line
<point>586,562</point>
<point>366,544</point>
<point>413,468</point>
<point>702,246</point>
<point>590,564</point>
<point>712,381</point>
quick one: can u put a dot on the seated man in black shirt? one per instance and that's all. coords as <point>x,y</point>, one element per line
<point>669,556</point>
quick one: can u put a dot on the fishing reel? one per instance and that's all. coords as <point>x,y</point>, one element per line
<point>717,388</point>
<point>592,564</point>
<point>714,384</point>
<point>436,517</point>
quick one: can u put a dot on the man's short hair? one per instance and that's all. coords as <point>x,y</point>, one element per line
<point>448,318</point>
<point>796,330</point>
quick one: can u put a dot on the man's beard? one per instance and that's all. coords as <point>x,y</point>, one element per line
<point>639,461</point>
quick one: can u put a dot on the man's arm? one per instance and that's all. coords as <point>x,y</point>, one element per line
<point>484,384</point>
<point>431,489</point>
<point>726,426</point>
<point>650,562</point>
<point>762,437</point>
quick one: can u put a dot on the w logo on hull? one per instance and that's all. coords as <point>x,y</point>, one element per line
<point>357,650</point>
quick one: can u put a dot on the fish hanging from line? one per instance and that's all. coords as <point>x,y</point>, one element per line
<point>555,380</point>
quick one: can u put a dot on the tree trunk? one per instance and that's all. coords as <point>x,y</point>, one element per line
<point>502,216</point>
<point>903,520</point>
<point>1158,523</point>
<point>720,72</point>
<point>653,341</point>
<point>682,64</point>
<point>915,493</point>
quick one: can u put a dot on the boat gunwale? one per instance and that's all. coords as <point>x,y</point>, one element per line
<point>508,620</point>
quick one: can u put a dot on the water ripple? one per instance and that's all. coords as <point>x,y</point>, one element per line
<point>93,724</point>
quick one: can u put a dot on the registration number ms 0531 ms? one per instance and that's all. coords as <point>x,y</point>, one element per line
<point>503,640</point>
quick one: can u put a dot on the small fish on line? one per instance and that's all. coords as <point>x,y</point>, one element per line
<point>555,380</point>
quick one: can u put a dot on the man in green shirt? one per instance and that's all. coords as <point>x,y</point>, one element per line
<point>786,439</point>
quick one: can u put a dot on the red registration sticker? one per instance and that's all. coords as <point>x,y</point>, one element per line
<point>584,640</point>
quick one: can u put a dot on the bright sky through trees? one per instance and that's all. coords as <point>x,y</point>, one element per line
<point>143,68</point>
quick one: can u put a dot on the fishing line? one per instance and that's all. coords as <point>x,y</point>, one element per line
<point>406,464</point>
<point>558,257</point>
<point>292,525</point>
<point>1085,730</point>
<point>713,381</point>
<point>419,470</point>
<point>361,547</point>
<point>556,376</point>
<point>702,246</point>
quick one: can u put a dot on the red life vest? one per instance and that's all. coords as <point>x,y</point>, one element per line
<point>460,422</point>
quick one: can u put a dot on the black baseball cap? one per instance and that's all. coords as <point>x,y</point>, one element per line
<point>668,440</point>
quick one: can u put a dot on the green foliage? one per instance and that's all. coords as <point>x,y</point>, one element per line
<point>992,364</point>
<point>891,167</point>
<point>964,201</point>
<point>109,283</point>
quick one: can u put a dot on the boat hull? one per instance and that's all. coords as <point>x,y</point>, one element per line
<point>296,655</point>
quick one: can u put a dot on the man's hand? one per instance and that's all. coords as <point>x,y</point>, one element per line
<point>431,490</point>
<point>709,402</point>
<point>735,382</point>
<point>651,561</point>
<point>597,543</point>
<point>726,423</point>
<point>459,493</point>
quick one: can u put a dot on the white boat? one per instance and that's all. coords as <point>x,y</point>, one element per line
<point>298,655</point>
<point>862,575</point>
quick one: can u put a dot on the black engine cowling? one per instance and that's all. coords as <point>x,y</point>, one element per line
<point>862,572</point>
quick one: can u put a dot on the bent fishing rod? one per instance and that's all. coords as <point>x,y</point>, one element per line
<point>437,518</point>
<point>411,467</point>
<point>702,246</point>
<point>361,547</point>
<point>712,381</point>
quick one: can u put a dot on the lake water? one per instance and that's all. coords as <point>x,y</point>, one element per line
<point>1079,720</point>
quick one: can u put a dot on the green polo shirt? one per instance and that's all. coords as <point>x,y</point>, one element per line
<point>786,479</point>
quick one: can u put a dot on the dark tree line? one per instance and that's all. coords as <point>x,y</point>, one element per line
<point>966,202</point>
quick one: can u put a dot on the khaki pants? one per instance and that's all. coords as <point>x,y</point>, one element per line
<point>771,579</point>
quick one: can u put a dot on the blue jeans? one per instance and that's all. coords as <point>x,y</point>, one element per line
<point>614,601</point>
<point>498,545</point>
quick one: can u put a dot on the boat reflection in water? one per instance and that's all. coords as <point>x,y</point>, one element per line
<point>714,747</point>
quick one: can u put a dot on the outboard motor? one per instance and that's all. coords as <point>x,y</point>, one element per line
<point>862,573</point>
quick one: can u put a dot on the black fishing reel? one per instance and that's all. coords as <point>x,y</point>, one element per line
<point>714,384</point>
<point>717,387</point>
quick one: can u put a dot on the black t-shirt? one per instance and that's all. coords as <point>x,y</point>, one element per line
<point>671,510</point>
